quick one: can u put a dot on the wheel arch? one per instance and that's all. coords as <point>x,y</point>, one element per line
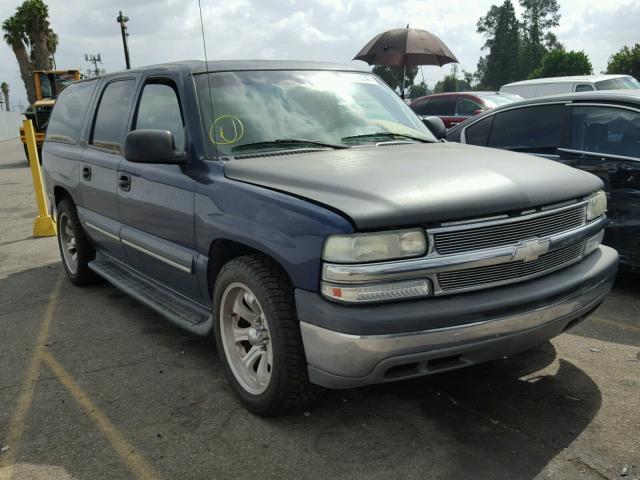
<point>60,193</point>
<point>223,250</point>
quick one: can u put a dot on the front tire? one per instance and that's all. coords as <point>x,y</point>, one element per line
<point>75,249</point>
<point>258,336</point>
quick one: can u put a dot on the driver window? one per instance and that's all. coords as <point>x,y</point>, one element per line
<point>159,109</point>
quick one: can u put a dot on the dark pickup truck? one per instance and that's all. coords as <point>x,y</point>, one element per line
<point>302,215</point>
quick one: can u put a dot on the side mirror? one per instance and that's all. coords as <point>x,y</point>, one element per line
<point>153,146</point>
<point>436,126</point>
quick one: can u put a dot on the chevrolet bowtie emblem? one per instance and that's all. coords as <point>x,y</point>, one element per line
<point>531,250</point>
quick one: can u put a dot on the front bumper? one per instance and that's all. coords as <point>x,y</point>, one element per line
<point>349,346</point>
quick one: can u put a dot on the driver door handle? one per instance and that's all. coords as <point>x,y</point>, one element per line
<point>124,182</point>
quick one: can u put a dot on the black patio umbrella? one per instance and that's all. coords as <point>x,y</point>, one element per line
<point>406,47</point>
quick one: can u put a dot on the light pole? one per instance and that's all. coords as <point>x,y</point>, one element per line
<point>122,20</point>
<point>95,59</point>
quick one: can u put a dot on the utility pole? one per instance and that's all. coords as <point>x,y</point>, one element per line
<point>95,59</point>
<point>122,20</point>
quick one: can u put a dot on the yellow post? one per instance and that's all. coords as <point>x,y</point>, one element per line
<point>44,226</point>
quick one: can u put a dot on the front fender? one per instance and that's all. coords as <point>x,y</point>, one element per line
<point>289,229</point>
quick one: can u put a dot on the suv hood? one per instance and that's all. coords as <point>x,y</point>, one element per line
<point>405,185</point>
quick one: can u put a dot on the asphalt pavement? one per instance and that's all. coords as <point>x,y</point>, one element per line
<point>95,386</point>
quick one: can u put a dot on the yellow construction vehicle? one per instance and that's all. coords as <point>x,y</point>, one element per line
<point>48,85</point>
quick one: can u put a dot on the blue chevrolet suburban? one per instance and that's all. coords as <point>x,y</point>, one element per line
<point>305,218</point>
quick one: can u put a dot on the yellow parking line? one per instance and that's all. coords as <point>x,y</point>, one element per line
<point>136,463</point>
<point>17,426</point>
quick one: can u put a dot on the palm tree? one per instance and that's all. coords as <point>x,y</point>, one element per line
<point>52,46</point>
<point>34,16</point>
<point>15,37</point>
<point>4,88</point>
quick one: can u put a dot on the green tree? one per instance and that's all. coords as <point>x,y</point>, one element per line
<point>392,75</point>
<point>34,16</point>
<point>4,88</point>
<point>539,17</point>
<point>451,84</point>
<point>52,45</point>
<point>626,61</point>
<point>560,63</point>
<point>502,38</point>
<point>14,35</point>
<point>418,90</point>
<point>32,40</point>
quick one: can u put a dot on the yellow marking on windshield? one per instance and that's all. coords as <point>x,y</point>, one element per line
<point>229,130</point>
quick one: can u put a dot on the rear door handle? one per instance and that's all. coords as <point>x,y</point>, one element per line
<point>86,172</point>
<point>124,182</point>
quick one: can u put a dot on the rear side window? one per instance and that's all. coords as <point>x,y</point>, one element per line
<point>443,106</point>
<point>421,107</point>
<point>606,130</point>
<point>478,133</point>
<point>466,107</point>
<point>553,88</point>
<point>584,88</point>
<point>536,129</point>
<point>159,109</point>
<point>112,116</point>
<point>68,115</point>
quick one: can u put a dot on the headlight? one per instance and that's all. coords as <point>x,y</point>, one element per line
<point>597,205</point>
<point>372,247</point>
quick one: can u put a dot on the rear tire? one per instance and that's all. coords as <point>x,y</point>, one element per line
<point>75,249</point>
<point>257,335</point>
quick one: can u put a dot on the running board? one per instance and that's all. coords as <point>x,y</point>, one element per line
<point>176,308</point>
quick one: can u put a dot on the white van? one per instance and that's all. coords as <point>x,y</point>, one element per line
<point>541,87</point>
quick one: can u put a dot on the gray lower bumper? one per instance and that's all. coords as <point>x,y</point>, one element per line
<point>344,360</point>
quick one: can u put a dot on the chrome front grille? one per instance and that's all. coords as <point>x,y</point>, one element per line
<point>508,272</point>
<point>485,253</point>
<point>508,231</point>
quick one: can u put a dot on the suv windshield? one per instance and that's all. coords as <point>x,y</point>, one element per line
<point>621,83</point>
<point>283,109</point>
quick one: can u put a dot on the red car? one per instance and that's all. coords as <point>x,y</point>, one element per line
<point>455,107</point>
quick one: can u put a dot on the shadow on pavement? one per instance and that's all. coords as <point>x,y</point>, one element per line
<point>496,420</point>
<point>8,166</point>
<point>481,422</point>
<point>617,320</point>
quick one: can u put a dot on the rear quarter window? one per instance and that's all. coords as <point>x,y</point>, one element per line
<point>112,115</point>
<point>546,89</point>
<point>70,110</point>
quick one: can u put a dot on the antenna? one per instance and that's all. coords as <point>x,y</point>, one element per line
<point>206,62</point>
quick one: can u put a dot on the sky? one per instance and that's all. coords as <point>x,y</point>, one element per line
<point>324,30</point>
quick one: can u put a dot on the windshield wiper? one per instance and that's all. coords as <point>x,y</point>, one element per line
<point>549,149</point>
<point>279,142</point>
<point>387,134</point>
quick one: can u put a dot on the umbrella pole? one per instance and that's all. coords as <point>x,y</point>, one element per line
<point>404,75</point>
